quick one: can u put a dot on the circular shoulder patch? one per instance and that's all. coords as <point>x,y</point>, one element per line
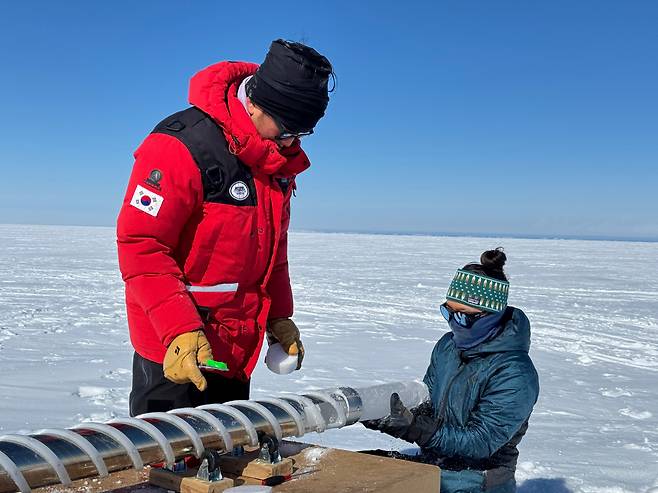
<point>239,190</point>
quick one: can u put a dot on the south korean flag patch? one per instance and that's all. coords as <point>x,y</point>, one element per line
<point>146,201</point>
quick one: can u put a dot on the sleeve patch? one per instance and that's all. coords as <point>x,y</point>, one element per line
<point>146,201</point>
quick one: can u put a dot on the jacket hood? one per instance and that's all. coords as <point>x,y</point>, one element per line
<point>515,336</point>
<point>214,91</point>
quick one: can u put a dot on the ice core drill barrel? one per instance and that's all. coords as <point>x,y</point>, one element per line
<point>52,456</point>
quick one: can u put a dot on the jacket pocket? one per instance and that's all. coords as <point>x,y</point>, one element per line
<point>225,243</point>
<point>233,341</point>
<point>465,481</point>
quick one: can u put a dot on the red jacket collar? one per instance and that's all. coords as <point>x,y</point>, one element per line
<point>214,91</point>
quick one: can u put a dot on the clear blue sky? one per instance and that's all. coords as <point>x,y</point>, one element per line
<point>502,116</point>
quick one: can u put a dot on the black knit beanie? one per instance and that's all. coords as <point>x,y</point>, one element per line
<point>292,85</point>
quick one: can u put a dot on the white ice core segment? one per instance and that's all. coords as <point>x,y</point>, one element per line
<point>375,400</point>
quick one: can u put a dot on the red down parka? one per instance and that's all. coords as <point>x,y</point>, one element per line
<point>181,252</point>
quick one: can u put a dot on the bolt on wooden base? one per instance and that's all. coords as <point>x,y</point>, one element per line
<point>187,482</point>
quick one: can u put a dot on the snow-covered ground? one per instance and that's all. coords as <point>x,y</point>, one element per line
<point>368,308</point>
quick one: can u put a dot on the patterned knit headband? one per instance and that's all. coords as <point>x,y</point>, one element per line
<point>478,291</point>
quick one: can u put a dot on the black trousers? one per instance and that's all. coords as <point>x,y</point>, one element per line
<point>152,392</point>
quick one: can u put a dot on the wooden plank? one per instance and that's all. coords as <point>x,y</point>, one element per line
<point>323,470</point>
<point>248,465</point>
<point>263,470</point>
<point>194,485</point>
<point>186,482</point>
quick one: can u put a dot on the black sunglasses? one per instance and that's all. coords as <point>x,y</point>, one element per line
<point>466,320</point>
<point>290,135</point>
<point>285,134</point>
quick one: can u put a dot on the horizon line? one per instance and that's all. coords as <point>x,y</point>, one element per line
<point>514,236</point>
<point>471,234</point>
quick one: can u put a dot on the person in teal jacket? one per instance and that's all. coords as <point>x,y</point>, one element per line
<point>482,383</point>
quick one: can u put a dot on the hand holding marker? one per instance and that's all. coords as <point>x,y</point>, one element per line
<point>213,366</point>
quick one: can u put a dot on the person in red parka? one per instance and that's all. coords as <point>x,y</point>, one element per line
<point>203,230</point>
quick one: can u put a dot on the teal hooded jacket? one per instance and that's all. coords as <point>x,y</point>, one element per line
<point>482,398</point>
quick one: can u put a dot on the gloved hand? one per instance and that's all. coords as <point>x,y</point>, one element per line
<point>285,332</point>
<point>404,424</point>
<point>183,356</point>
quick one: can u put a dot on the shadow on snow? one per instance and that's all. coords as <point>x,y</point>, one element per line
<point>539,485</point>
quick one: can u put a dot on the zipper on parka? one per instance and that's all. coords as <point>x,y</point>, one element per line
<point>444,399</point>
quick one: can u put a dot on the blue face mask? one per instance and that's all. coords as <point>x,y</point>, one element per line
<point>481,330</point>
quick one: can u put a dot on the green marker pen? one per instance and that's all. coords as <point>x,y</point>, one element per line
<point>214,366</point>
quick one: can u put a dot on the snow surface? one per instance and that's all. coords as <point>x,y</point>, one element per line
<point>368,309</point>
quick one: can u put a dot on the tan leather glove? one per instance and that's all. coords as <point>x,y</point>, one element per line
<point>183,356</point>
<point>285,332</point>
